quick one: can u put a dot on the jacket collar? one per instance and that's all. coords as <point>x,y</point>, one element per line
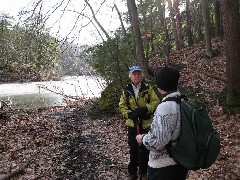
<point>129,88</point>
<point>171,94</point>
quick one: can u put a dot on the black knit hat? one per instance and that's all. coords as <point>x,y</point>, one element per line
<point>167,79</point>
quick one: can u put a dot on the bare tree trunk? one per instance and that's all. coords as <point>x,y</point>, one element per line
<point>230,10</point>
<point>199,25</point>
<point>173,24</point>
<point>207,30</point>
<point>179,22</point>
<point>166,40</point>
<point>167,46</point>
<point>189,24</point>
<point>130,20</point>
<point>161,6</point>
<point>137,37</point>
<point>218,21</point>
<point>153,54</point>
<point>145,30</point>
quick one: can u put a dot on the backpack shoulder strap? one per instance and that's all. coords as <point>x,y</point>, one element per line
<point>178,101</point>
<point>127,98</point>
<point>128,91</point>
<point>147,90</point>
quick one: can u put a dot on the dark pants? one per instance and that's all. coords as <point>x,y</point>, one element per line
<point>175,172</point>
<point>138,154</point>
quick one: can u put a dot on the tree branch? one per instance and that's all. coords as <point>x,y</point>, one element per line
<point>18,171</point>
<point>95,19</point>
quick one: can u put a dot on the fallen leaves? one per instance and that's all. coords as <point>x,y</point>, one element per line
<point>67,143</point>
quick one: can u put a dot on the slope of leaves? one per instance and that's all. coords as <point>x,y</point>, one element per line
<point>70,143</point>
<point>204,79</point>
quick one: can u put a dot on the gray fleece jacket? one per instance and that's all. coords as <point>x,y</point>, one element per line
<point>165,127</point>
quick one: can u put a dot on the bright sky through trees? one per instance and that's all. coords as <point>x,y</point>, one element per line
<point>71,18</point>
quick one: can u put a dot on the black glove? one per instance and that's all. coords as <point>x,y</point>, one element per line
<point>146,116</point>
<point>138,113</point>
<point>132,115</point>
<point>141,111</point>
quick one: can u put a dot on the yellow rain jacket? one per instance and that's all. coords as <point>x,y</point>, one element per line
<point>146,97</point>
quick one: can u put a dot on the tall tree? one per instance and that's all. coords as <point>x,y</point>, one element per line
<point>179,22</point>
<point>175,34</point>
<point>218,22</point>
<point>137,37</point>
<point>161,6</point>
<point>145,28</point>
<point>207,30</point>
<point>230,10</point>
<point>199,24</point>
<point>189,24</point>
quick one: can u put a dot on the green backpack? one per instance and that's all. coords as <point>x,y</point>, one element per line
<point>198,145</point>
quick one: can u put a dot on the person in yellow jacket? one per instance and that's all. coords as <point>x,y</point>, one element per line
<point>137,104</point>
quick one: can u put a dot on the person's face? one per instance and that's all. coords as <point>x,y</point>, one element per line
<point>161,91</point>
<point>136,77</point>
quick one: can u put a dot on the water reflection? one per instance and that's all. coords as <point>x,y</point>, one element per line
<point>51,93</point>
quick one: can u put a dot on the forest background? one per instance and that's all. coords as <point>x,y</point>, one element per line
<point>148,29</point>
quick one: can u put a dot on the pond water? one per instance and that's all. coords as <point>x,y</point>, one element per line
<point>51,93</point>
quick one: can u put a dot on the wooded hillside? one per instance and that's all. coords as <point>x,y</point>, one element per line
<point>76,142</point>
<point>200,38</point>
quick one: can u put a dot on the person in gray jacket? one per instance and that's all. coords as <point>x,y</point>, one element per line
<point>165,127</point>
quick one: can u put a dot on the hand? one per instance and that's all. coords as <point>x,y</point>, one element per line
<point>138,113</point>
<point>132,115</point>
<point>141,111</point>
<point>139,138</point>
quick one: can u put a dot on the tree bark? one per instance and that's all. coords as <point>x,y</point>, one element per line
<point>207,30</point>
<point>189,24</point>
<point>145,30</point>
<point>166,36</point>
<point>163,27</point>
<point>130,20</point>
<point>137,37</point>
<point>218,21</point>
<point>199,24</point>
<point>179,22</point>
<point>173,25</point>
<point>230,10</point>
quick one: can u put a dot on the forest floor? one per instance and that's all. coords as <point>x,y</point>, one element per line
<point>75,142</point>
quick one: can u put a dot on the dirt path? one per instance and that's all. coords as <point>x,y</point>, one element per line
<point>63,143</point>
<point>75,143</point>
